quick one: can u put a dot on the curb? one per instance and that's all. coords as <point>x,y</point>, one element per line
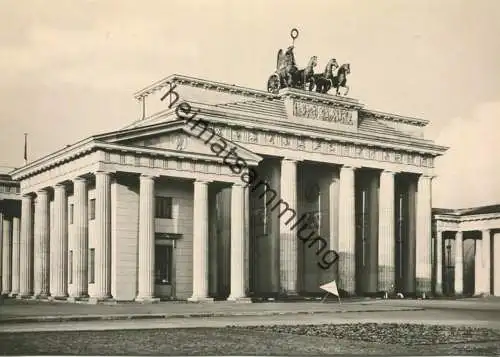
<point>79,318</point>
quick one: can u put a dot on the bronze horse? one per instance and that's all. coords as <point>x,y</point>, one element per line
<point>325,81</point>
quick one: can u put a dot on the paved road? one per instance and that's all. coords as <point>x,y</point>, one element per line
<point>443,317</point>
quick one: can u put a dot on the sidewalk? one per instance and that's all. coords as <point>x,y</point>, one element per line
<point>43,311</point>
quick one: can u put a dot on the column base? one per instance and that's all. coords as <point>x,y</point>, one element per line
<point>76,298</point>
<point>147,300</point>
<point>481,294</point>
<point>40,297</point>
<point>242,299</point>
<point>13,295</point>
<point>96,300</point>
<point>200,299</point>
<point>23,296</point>
<point>58,298</point>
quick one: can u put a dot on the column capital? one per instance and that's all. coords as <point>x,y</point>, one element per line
<point>42,192</point>
<point>486,231</point>
<point>203,182</point>
<point>27,196</point>
<point>427,176</point>
<point>389,172</point>
<point>290,159</point>
<point>104,172</point>
<point>60,185</point>
<point>349,167</point>
<point>79,179</point>
<point>148,176</point>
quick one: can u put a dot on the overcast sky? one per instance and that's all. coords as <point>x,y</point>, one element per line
<point>68,69</point>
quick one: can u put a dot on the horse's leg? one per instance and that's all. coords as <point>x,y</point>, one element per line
<point>346,90</point>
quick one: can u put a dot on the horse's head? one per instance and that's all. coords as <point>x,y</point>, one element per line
<point>330,66</point>
<point>347,68</point>
<point>313,62</point>
<point>333,63</point>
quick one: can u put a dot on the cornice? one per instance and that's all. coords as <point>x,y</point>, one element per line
<point>94,145</point>
<point>460,219</point>
<point>201,83</point>
<point>268,123</point>
<point>396,118</point>
<point>66,154</point>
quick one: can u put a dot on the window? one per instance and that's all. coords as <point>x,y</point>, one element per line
<point>71,213</point>
<point>92,266</point>
<point>163,264</point>
<point>163,207</point>
<point>70,267</point>
<point>92,209</point>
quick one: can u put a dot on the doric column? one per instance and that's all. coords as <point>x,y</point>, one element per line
<point>26,248</point>
<point>496,267</point>
<point>59,245</point>
<point>247,238</point>
<point>347,230</point>
<point>478,267</point>
<point>81,238</point>
<point>146,238</point>
<point>15,255</point>
<point>200,242</point>
<point>7,258</point>
<point>41,245</point>
<point>486,266</point>
<point>459,263</point>
<point>237,243</point>
<point>103,234</point>
<point>424,235</point>
<point>386,240</point>
<point>439,262</point>
<point>288,233</point>
<point>333,211</point>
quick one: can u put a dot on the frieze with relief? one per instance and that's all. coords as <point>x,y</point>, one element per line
<point>330,147</point>
<point>323,112</point>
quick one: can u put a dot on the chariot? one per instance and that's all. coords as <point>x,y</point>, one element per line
<point>287,75</point>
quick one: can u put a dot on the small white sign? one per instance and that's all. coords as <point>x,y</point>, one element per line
<point>331,288</point>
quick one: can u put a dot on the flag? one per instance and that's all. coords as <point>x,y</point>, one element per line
<point>25,148</point>
<point>331,288</point>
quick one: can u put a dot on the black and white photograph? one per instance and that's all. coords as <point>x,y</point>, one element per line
<point>250,178</point>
